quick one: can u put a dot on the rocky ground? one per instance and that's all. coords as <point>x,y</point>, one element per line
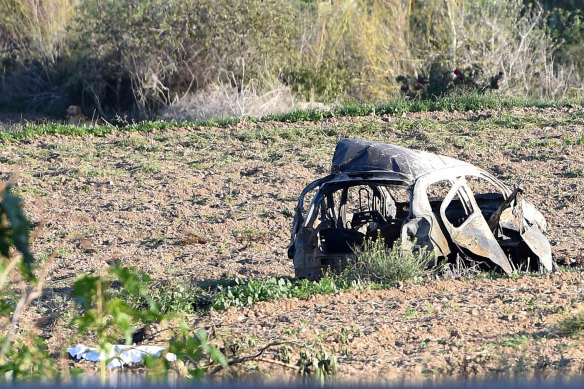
<point>199,206</point>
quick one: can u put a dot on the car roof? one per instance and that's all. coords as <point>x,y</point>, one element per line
<point>359,156</point>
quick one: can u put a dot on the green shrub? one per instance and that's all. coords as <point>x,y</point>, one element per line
<point>147,52</point>
<point>135,57</point>
<point>572,325</point>
<point>566,27</point>
<point>178,296</point>
<point>377,263</point>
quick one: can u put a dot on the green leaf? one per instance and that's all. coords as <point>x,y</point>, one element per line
<point>6,307</point>
<point>18,232</point>
<point>85,290</point>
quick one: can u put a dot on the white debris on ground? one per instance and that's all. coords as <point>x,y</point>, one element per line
<point>119,357</point>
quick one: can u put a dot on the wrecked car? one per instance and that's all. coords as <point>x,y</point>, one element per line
<point>417,198</point>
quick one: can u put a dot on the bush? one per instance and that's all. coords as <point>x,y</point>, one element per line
<point>33,54</point>
<point>379,264</point>
<point>135,57</point>
<point>573,325</point>
<point>148,52</point>
<point>567,30</point>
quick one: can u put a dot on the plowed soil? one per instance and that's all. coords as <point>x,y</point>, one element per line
<point>213,204</point>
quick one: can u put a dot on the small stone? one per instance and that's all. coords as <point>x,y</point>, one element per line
<point>455,333</point>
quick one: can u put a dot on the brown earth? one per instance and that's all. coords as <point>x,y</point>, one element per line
<point>204,205</point>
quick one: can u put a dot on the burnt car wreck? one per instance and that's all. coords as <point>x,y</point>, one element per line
<point>449,206</point>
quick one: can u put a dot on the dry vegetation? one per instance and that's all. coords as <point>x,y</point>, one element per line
<point>138,57</point>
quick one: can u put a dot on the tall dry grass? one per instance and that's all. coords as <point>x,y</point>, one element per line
<point>503,35</point>
<point>140,56</point>
<point>34,44</point>
<point>381,39</point>
<point>38,28</point>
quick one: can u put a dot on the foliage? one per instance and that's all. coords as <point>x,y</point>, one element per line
<point>191,352</point>
<point>108,316</point>
<point>572,325</point>
<point>34,30</point>
<point>14,232</point>
<point>176,297</point>
<point>246,293</point>
<point>388,266</point>
<point>319,364</point>
<point>567,29</point>
<point>24,358</point>
<point>28,359</point>
<point>34,53</point>
<point>103,314</point>
<point>440,82</point>
<point>450,103</point>
<point>135,57</point>
<point>141,49</point>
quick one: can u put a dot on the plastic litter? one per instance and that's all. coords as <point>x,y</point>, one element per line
<point>119,357</point>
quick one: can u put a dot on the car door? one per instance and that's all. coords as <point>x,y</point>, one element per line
<point>468,228</point>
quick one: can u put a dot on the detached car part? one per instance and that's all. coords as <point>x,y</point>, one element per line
<point>449,206</point>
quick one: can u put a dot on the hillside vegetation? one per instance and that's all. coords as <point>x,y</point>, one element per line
<point>194,59</point>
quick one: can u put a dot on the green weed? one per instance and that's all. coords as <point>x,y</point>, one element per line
<point>410,312</point>
<point>246,293</point>
<point>573,173</point>
<point>106,316</point>
<point>515,341</point>
<point>387,266</point>
<point>572,325</point>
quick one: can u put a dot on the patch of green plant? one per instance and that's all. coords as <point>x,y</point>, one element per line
<point>574,173</point>
<point>574,141</point>
<point>246,293</point>
<point>108,316</point>
<point>28,359</point>
<point>379,264</point>
<point>410,312</point>
<point>460,103</point>
<point>179,296</point>
<point>193,352</point>
<point>449,103</point>
<point>572,325</point>
<point>21,358</point>
<point>515,341</point>
<point>318,364</point>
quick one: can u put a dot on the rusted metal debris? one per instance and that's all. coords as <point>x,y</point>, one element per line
<point>451,207</point>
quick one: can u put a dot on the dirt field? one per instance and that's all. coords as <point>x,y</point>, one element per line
<point>203,205</point>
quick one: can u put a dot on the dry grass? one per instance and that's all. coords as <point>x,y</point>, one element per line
<point>221,101</point>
